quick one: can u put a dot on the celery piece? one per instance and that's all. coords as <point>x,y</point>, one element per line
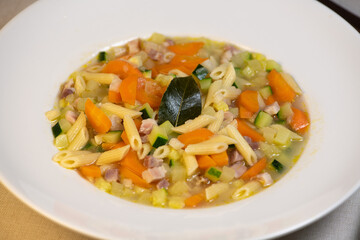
<point>159,197</point>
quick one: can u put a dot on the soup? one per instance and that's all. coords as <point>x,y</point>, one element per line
<point>179,122</point>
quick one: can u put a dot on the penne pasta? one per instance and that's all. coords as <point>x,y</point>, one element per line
<point>242,145</point>
<point>231,92</point>
<point>80,140</point>
<point>178,73</point>
<point>121,112</point>
<point>191,125</point>
<point>221,139</point>
<point>52,114</point>
<point>79,84</point>
<point>132,133</point>
<point>247,190</point>
<point>190,163</point>
<point>214,87</point>
<point>219,72</point>
<point>229,76</point>
<point>215,125</point>
<point>176,144</point>
<point>112,156</point>
<point>75,128</point>
<point>162,152</point>
<point>206,148</point>
<point>74,159</point>
<point>103,78</point>
<point>223,131</point>
<point>144,151</point>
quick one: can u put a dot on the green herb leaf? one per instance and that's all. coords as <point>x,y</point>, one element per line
<point>180,102</point>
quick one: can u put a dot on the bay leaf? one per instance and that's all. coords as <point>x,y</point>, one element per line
<point>181,101</point>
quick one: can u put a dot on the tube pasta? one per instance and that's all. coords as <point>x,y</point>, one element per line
<point>219,72</point>
<point>247,190</point>
<point>223,131</point>
<point>221,139</point>
<point>75,128</point>
<point>79,84</point>
<point>103,78</point>
<point>210,64</point>
<point>144,151</point>
<point>242,146</point>
<point>215,125</point>
<point>191,125</point>
<point>178,73</point>
<point>95,68</point>
<point>112,156</point>
<point>80,140</point>
<point>205,148</point>
<point>190,163</point>
<point>52,114</point>
<point>176,144</point>
<point>121,112</point>
<point>74,159</point>
<point>214,87</point>
<point>132,133</point>
<point>162,152</point>
<point>231,92</point>
<point>229,76</point>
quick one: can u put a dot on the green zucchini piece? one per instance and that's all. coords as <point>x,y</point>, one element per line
<point>266,92</point>
<point>263,119</point>
<point>277,165</point>
<point>213,174</point>
<point>147,111</point>
<point>158,137</point>
<point>103,56</point>
<point>200,72</point>
<point>248,72</point>
<point>56,130</point>
<point>112,137</point>
<point>167,126</point>
<point>205,84</point>
<point>147,73</point>
<point>285,111</point>
<point>271,64</point>
<point>237,71</point>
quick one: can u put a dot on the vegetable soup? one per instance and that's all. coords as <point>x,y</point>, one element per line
<point>179,122</point>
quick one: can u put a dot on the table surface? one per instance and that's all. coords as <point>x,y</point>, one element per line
<point>18,221</point>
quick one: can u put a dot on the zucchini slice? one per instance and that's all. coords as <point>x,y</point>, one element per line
<point>158,137</point>
<point>205,84</point>
<point>103,56</point>
<point>213,174</point>
<point>200,72</point>
<point>285,111</point>
<point>263,119</point>
<point>147,111</point>
<point>147,73</point>
<point>56,130</point>
<point>266,92</point>
<point>277,165</point>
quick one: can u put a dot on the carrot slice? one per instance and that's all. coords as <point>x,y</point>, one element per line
<point>137,122</point>
<point>97,118</point>
<point>129,174</point>
<point>114,97</point>
<point>221,159</point>
<point>132,162</point>
<point>196,136</point>
<point>125,138</point>
<point>299,121</point>
<point>90,171</point>
<point>205,161</point>
<point>188,49</point>
<point>246,130</point>
<point>249,99</point>
<point>254,170</point>
<point>281,90</point>
<point>149,91</point>
<point>270,100</point>
<point>128,89</point>
<point>194,200</point>
<point>110,146</point>
<point>121,68</point>
<point>244,113</point>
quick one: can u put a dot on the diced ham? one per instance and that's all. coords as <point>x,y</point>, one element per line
<point>150,161</point>
<point>265,179</point>
<point>229,52</point>
<point>239,168</point>
<point>155,55</point>
<point>111,175</point>
<point>146,126</point>
<point>153,174</point>
<point>272,109</point>
<point>235,156</point>
<point>134,46</point>
<point>253,145</point>
<point>163,184</point>
<point>116,124</point>
<point>71,116</point>
<point>66,92</point>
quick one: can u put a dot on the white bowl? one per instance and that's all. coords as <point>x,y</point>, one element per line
<point>47,41</point>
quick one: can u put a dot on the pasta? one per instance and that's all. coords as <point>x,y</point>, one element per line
<point>158,121</point>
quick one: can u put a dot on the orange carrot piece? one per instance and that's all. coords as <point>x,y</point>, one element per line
<point>244,113</point>
<point>299,121</point>
<point>246,130</point>
<point>125,138</point>
<point>138,122</point>
<point>270,100</point>
<point>281,90</point>
<point>128,89</point>
<point>196,136</point>
<point>188,49</point>
<point>149,91</point>
<point>97,118</point>
<point>249,99</point>
<point>254,170</point>
<point>121,68</point>
<point>132,162</point>
<point>221,159</point>
<point>194,200</point>
<point>129,174</point>
<point>205,161</point>
<point>110,146</point>
<point>90,171</point>
<point>114,97</point>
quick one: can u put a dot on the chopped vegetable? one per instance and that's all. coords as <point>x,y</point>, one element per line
<point>132,162</point>
<point>244,113</point>
<point>221,159</point>
<point>249,99</point>
<point>263,119</point>
<point>254,170</point>
<point>200,72</point>
<point>56,130</point>
<point>213,174</point>
<point>158,137</point>
<point>188,49</point>
<point>121,68</point>
<point>282,91</point>
<point>90,171</point>
<point>129,174</point>
<point>194,200</point>
<point>299,121</point>
<point>246,130</point>
<point>205,161</point>
<point>147,111</point>
<point>103,57</point>
<point>128,89</point>
<point>97,118</point>
<point>196,136</point>
<point>277,165</point>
